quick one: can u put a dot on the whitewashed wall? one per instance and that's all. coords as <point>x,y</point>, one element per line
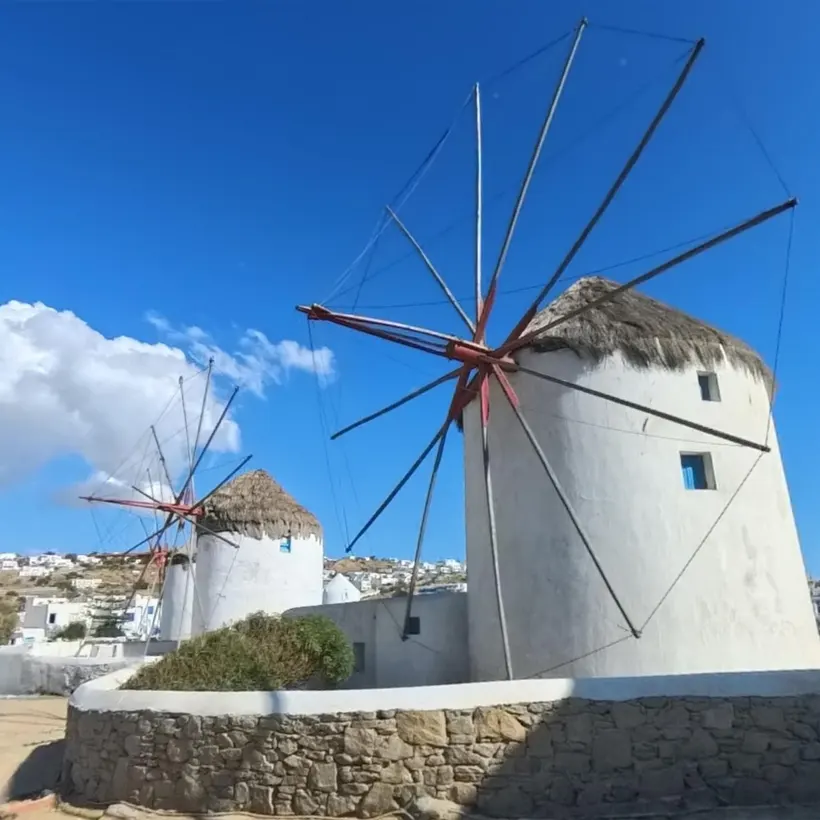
<point>232,583</point>
<point>743,603</point>
<point>176,616</point>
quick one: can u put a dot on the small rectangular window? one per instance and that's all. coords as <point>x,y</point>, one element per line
<point>358,657</point>
<point>698,472</point>
<point>414,625</point>
<point>52,618</point>
<point>708,383</point>
<point>284,545</point>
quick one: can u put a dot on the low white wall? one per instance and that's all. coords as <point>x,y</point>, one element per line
<point>104,694</point>
<point>23,672</point>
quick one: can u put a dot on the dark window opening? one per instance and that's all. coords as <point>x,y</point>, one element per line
<point>52,618</point>
<point>358,657</point>
<point>414,625</point>
<point>709,389</point>
<point>698,471</point>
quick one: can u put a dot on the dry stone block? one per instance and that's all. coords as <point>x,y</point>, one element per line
<point>422,728</point>
<point>498,724</point>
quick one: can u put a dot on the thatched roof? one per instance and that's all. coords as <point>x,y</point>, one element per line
<point>647,333</point>
<point>254,504</point>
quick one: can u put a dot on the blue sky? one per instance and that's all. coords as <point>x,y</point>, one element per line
<point>217,163</point>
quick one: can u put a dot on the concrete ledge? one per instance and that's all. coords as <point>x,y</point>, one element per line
<point>104,694</point>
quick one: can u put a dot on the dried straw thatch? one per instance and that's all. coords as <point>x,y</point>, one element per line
<point>647,333</point>
<point>254,504</point>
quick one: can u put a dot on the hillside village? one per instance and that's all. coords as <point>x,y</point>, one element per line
<point>114,595</point>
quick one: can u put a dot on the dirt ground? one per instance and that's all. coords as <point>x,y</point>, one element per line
<point>30,753</point>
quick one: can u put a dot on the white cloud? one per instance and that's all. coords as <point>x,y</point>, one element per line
<point>65,389</point>
<point>257,364</point>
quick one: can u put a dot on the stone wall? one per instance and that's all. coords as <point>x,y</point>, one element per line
<point>563,758</point>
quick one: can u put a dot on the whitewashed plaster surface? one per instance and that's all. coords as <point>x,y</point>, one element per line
<point>232,583</point>
<point>178,602</point>
<point>742,603</point>
<point>103,694</point>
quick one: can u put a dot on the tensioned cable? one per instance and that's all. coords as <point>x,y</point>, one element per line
<point>733,94</point>
<point>579,657</point>
<point>567,277</point>
<point>401,198</point>
<point>641,33</point>
<point>780,323</point>
<point>571,145</point>
<point>325,437</point>
<point>769,419</point>
<point>415,178</point>
<point>702,542</point>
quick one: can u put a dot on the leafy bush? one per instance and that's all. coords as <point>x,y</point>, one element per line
<point>108,628</point>
<point>260,653</point>
<point>75,631</point>
<point>8,622</point>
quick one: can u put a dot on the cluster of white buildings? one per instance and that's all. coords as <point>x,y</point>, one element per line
<point>38,566</point>
<point>44,616</point>
<point>398,573</point>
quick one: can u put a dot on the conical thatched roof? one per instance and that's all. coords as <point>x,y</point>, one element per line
<point>254,504</point>
<point>647,333</point>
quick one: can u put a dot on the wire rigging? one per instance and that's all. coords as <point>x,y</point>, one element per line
<point>571,145</point>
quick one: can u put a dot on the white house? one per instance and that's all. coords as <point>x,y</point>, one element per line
<point>85,583</point>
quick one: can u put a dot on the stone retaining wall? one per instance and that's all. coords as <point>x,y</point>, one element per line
<point>564,758</point>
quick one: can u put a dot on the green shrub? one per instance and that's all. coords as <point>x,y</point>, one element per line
<point>108,627</point>
<point>260,653</point>
<point>75,631</point>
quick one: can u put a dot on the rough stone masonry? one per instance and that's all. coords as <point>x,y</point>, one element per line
<point>569,758</point>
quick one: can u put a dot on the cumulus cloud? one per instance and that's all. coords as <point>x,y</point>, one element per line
<point>67,390</point>
<point>257,362</point>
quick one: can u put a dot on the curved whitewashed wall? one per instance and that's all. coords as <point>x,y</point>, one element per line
<point>743,602</point>
<point>177,602</point>
<point>258,576</point>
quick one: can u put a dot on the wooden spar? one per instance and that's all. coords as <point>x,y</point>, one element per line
<point>224,481</point>
<point>616,186</point>
<point>643,408</point>
<point>161,455</point>
<point>478,206</point>
<point>525,183</point>
<point>322,313</point>
<point>436,275</point>
<point>402,481</point>
<point>522,341</point>
<point>396,404</point>
<point>489,498</point>
<point>318,313</point>
<point>428,501</point>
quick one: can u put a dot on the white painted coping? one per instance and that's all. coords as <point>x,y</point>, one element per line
<point>103,694</point>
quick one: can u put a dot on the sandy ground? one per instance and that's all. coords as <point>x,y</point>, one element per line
<point>29,729</point>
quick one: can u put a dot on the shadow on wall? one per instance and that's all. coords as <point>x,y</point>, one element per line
<point>651,755</point>
<point>567,758</point>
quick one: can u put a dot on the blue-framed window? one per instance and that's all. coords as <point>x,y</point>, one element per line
<point>697,471</point>
<point>285,544</point>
